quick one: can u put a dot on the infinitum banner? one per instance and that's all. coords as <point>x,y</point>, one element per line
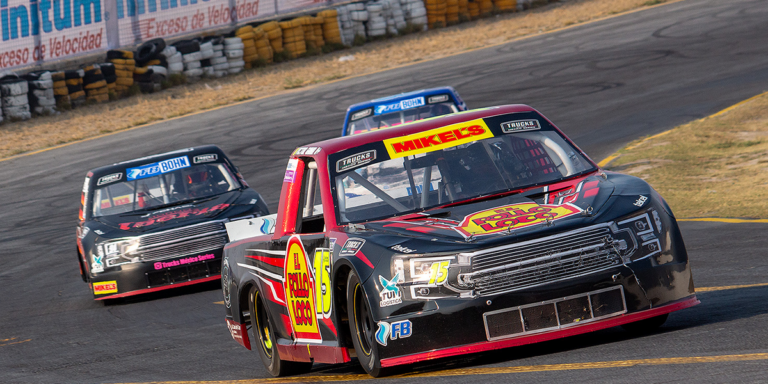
<point>36,31</point>
<point>41,31</point>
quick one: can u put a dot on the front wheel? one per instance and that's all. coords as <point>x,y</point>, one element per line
<point>263,334</point>
<point>363,328</point>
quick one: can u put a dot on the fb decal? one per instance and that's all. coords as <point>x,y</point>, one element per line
<point>394,331</point>
<point>390,294</point>
<point>153,169</point>
<point>299,293</point>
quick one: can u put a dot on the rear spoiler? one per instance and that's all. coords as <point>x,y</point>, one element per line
<point>257,226</point>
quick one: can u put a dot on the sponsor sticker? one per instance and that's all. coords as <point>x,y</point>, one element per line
<point>360,114</point>
<point>520,125</point>
<point>97,265</point>
<point>290,171</point>
<point>400,105</point>
<point>402,249</point>
<point>105,287</point>
<point>355,160</point>
<point>239,333</point>
<point>109,178</point>
<point>437,99</point>
<point>511,217</point>
<point>351,247</point>
<point>158,168</point>
<point>183,261</point>
<point>439,138</point>
<point>393,331</point>
<point>390,293</point>
<point>300,288</point>
<point>207,158</point>
<point>640,201</point>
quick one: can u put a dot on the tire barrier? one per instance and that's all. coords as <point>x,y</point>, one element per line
<point>155,63</point>
<point>41,96</point>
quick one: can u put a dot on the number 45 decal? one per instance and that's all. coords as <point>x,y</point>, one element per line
<point>438,272</point>
<point>323,288</point>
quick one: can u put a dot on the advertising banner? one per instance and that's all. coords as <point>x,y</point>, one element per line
<point>37,31</point>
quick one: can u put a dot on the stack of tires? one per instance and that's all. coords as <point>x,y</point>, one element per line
<point>263,47</point>
<point>317,24</point>
<point>523,4</point>
<point>233,50</point>
<point>13,90</point>
<point>75,87</point>
<point>110,76</point>
<point>174,60</point>
<point>41,96</point>
<point>359,15</point>
<point>464,11</point>
<point>206,54</point>
<point>474,9</point>
<point>436,13</point>
<point>452,12</point>
<point>275,35</point>
<point>218,60</point>
<point>60,90</point>
<point>395,16</point>
<point>331,31</point>
<point>293,37</point>
<point>124,66</point>
<point>505,5</point>
<point>415,12</point>
<point>347,27</point>
<point>190,56</point>
<point>95,85</point>
<point>486,7</point>
<point>248,38</point>
<point>308,27</point>
<point>377,24</point>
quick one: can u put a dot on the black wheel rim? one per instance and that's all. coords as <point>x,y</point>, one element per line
<point>363,322</point>
<point>262,326</point>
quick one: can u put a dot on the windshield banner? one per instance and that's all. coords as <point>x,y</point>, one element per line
<point>400,105</point>
<point>435,139</point>
<point>157,168</point>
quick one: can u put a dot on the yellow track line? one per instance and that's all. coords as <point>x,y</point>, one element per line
<point>500,370</point>
<point>612,157</point>
<point>726,220</point>
<point>728,287</point>
<point>285,91</point>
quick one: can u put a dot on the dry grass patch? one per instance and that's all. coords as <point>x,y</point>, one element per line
<point>82,123</point>
<point>713,167</point>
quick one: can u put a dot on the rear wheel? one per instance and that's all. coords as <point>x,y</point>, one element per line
<point>363,328</point>
<point>647,325</point>
<point>263,334</point>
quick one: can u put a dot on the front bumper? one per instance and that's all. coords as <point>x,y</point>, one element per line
<point>145,277</point>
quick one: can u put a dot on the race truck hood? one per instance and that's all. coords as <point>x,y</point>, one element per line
<point>467,225</point>
<point>226,205</point>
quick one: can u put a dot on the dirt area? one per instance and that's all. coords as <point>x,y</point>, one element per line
<point>713,167</point>
<point>45,132</point>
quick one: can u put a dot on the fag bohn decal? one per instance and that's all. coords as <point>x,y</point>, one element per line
<point>439,138</point>
<point>512,217</point>
<point>299,293</point>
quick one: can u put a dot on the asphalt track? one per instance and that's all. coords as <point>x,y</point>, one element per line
<point>604,84</point>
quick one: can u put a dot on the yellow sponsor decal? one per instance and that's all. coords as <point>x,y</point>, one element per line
<point>300,293</point>
<point>104,287</point>
<point>511,217</point>
<point>439,138</point>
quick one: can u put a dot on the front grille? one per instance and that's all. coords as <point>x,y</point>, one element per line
<point>555,314</point>
<point>542,261</point>
<point>181,241</point>
<point>183,273</point>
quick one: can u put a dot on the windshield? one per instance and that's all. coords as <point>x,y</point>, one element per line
<point>478,168</point>
<point>376,121</point>
<point>186,184</point>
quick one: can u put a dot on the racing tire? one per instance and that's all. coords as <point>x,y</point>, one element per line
<point>362,327</point>
<point>148,51</point>
<point>262,327</point>
<point>647,325</point>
